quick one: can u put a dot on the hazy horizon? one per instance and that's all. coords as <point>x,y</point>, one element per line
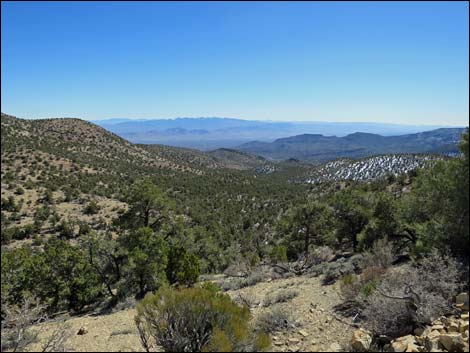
<point>138,119</point>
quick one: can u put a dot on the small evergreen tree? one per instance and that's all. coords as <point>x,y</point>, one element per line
<point>182,268</point>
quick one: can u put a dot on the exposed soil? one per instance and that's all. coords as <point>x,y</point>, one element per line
<point>317,328</point>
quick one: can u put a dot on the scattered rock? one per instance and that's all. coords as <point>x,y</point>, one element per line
<point>303,333</point>
<point>82,331</point>
<point>361,340</point>
<point>294,340</point>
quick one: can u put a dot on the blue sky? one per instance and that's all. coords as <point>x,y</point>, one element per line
<point>399,62</point>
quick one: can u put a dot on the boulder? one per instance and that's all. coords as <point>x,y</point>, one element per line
<point>405,344</point>
<point>452,342</point>
<point>461,301</point>
<point>431,341</point>
<point>463,326</point>
<point>361,340</point>
<point>437,327</point>
<point>453,327</point>
<point>465,335</point>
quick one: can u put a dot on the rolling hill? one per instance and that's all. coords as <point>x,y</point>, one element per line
<point>318,148</point>
<point>91,144</point>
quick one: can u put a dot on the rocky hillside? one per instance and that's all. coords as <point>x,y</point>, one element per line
<point>241,160</point>
<point>369,168</point>
<point>88,143</point>
<point>77,140</point>
<point>216,159</point>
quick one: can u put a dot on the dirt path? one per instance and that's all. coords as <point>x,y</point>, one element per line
<point>317,330</point>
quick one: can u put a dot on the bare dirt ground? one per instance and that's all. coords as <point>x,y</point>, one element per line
<point>312,308</point>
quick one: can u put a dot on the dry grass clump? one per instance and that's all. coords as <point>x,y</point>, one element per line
<point>413,295</point>
<point>280,297</point>
<point>273,320</point>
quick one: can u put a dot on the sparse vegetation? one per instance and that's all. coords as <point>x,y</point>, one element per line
<point>280,297</point>
<point>90,220</point>
<point>275,319</point>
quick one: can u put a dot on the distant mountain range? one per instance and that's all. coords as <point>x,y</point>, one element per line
<point>212,132</point>
<point>288,158</point>
<point>319,148</point>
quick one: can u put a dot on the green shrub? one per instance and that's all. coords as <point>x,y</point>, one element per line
<point>358,287</point>
<point>254,260</point>
<point>29,184</point>
<point>17,233</point>
<point>41,215</point>
<point>183,267</point>
<point>349,286</point>
<point>91,208</point>
<point>278,254</point>
<point>211,287</point>
<point>48,197</point>
<point>37,240</point>
<point>65,229</point>
<point>84,228</point>
<point>58,275</point>
<point>196,320</point>
<point>249,281</point>
<point>10,204</point>
<point>369,288</point>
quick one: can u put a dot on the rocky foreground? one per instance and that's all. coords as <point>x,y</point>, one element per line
<point>446,334</point>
